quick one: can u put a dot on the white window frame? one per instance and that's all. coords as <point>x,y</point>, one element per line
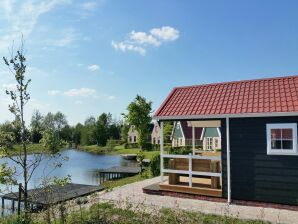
<point>209,144</point>
<point>271,151</point>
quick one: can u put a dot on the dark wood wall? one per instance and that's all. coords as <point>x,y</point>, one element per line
<point>256,176</point>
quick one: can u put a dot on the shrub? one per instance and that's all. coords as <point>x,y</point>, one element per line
<point>155,165</point>
<point>147,146</point>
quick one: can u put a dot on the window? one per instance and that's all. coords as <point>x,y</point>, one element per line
<point>158,141</point>
<point>209,143</point>
<point>154,141</point>
<point>282,139</point>
<point>180,139</point>
<point>134,138</point>
<point>216,145</point>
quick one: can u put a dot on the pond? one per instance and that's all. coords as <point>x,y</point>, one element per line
<point>82,166</point>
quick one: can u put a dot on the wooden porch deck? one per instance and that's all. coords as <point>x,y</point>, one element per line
<point>200,186</point>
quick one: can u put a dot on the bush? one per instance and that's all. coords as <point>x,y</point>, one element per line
<point>155,165</point>
<point>184,150</point>
<point>147,146</point>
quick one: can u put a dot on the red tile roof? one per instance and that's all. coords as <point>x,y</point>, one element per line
<point>241,97</point>
<point>187,131</point>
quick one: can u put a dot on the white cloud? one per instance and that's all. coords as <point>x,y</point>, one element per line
<point>143,38</point>
<point>123,46</point>
<point>139,41</point>
<point>80,92</point>
<point>165,33</point>
<point>53,92</point>
<point>20,17</point>
<point>93,68</point>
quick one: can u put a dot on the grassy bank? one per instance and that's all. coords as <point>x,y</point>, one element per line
<point>31,149</point>
<point>127,180</point>
<point>109,213</point>
<point>116,150</point>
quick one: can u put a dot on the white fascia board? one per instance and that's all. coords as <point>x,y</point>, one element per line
<point>220,116</point>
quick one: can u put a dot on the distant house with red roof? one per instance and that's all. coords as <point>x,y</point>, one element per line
<point>257,121</point>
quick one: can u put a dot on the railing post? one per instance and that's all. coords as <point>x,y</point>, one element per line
<point>161,152</point>
<point>193,140</point>
<point>190,169</point>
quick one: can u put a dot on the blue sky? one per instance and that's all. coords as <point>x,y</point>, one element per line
<point>94,56</point>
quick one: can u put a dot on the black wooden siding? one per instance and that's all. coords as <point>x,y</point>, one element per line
<point>256,176</point>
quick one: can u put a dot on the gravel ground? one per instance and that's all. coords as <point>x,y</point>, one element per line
<point>133,194</point>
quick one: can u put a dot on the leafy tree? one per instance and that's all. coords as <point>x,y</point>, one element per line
<point>54,122</point>
<point>167,131</point>
<point>77,133</point>
<point>114,131</point>
<point>88,132</point>
<point>139,116</point>
<point>101,130</point>
<point>66,133</point>
<point>36,126</point>
<point>124,132</point>
<point>19,97</point>
<point>90,121</point>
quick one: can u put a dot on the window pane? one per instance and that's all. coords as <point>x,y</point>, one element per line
<point>287,133</point>
<point>287,144</point>
<point>275,133</point>
<point>276,144</point>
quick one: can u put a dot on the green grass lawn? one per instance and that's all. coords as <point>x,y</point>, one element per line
<point>117,150</point>
<point>127,180</point>
<point>31,148</point>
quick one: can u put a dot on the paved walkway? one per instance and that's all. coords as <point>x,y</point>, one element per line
<point>134,194</point>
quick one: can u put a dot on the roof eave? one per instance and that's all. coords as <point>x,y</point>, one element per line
<point>218,116</point>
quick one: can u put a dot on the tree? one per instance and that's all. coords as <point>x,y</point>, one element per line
<point>36,126</point>
<point>87,132</point>
<point>101,131</point>
<point>167,131</point>
<point>124,132</point>
<point>77,133</point>
<point>19,97</point>
<point>139,116</point>
<point>54,122</point>
<point>66,133</point>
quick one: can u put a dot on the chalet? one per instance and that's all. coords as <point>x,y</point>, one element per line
<point>182,135</point>
<point>132,135</point>
<point>257,126</point>
<point>207,138</point>
<point>155,134</point>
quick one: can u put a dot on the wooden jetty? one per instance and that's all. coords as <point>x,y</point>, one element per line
<point>43,197</point>
<point>118,172</point>
<point>129,156</point>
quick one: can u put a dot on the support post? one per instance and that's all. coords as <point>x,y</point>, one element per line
<point>2,211</point>
<point>228,159</point>
<point>193,140</point>
<point>13,205</point>
<point>19,198</point>
<point>190,169</point>
<point>161,152</point>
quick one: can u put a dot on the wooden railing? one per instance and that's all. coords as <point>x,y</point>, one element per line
<point>193,165</point>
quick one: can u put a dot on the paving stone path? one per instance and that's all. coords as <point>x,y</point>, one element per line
<point>134,194</point>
